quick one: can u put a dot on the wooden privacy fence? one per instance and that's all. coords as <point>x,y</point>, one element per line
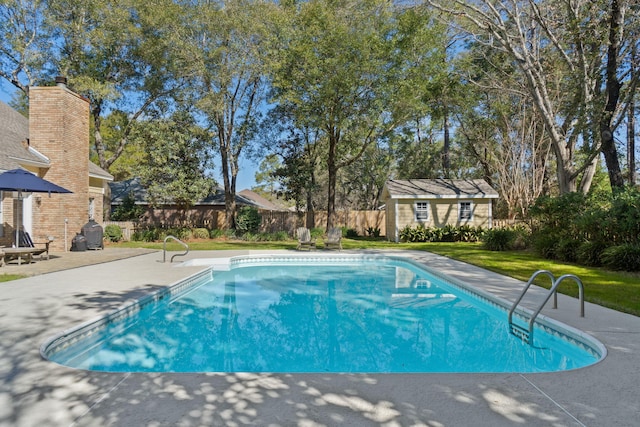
<point>272,221</point>
<point>275,221</point>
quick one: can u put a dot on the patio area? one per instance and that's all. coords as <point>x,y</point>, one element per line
<point>72,288</point>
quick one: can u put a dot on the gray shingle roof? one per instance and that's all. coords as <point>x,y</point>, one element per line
<point>97,171</point>
<point>439,188</point>
<point>261,201</point>
<point>120,191</point>
<point>14,130</point>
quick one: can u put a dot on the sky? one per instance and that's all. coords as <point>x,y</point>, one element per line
<point>246,175</point>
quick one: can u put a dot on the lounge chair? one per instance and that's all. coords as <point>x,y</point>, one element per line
<point>26,242</point>
<point>304,239</point>
<point>334,238</point>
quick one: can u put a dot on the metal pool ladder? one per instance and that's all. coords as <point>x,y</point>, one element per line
<point>526,334</point>
<point>164,248</point>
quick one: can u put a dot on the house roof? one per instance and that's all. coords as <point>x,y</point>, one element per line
<point>15,151</point>
<point>258,199</point>
<point>97,172</point>
<point>14,138</point>
<point>120,191</point>
<point>439,189</point>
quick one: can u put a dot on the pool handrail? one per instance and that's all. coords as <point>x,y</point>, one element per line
<point>527,335</point>
<point>164,248</point>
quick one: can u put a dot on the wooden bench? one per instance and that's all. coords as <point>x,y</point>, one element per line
<point>19,254</point>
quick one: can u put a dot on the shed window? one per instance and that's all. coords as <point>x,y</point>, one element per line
<point>422,211</point>
<point>465,212</point>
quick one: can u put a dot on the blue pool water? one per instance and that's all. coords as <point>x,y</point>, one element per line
<point>376,315</point>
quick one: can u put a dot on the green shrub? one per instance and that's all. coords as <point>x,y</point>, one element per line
<point>181,233</point>
<point>624,216</point>
<point>200,233</point>
<point>545,245</point>
<point>350,233</point>
<point>567,249</point>
<point>373,231</point>
<point>622,257</point>
<point>317,232</point>
<point>521,239</point>
<point>280,236</point>
<point>113,233</point>
<point>590,253</point>
<point>248,220</point>
<point>146,235</point>
<point>128,210</point>
<point>216,233</point>
<point>449,233</point>
<point>251,237</point>
<point>418,234</point>
<point>466,233</point>
<point>498,239</point>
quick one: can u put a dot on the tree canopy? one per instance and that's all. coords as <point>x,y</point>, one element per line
<point>535,97</point>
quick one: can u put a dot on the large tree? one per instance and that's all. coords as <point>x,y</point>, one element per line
<point>119,54</point>
<point>571,55</point>
<point>174,163</point>
<point>116,53</point>
<point>348,70</point>
<point>225,47</point>
<point>24,44</point>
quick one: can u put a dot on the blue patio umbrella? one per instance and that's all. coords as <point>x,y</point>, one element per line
<point>23,181</point>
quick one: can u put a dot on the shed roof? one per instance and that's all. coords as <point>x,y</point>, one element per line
<point>439,189</point>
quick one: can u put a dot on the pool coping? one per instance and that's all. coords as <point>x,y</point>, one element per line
<point>36,392</point>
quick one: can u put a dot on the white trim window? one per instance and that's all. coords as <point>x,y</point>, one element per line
<point>465,211</point>
<point>421,211</point>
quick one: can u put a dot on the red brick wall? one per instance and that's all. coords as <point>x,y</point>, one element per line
<point>59,129</point>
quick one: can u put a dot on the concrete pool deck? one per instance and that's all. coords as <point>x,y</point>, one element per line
<point>35,392</point>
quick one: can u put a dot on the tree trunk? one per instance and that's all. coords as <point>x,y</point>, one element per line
<point>446,162</point>
<point>588,174</point>
<point>613,94</point>
<point>311,217</point>
<point>332,171</point>
<point>631,143</point>
<point>229,190</point>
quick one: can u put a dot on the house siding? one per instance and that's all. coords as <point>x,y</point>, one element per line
<point>390,220</point>
<point>441,212</point>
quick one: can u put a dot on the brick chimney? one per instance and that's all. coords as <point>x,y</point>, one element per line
<point>59,129</point>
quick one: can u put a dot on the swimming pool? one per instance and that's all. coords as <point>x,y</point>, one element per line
<point>318,314</point>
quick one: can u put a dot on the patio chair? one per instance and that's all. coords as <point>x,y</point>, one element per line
<point>26,242</point>
<point>334,238</point>
<point>304,239</point>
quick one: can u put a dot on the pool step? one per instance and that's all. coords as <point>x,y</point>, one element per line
<point>520,332</point>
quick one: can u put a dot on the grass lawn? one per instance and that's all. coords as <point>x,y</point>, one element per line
<point>617,290</point>
<point>10,277</point>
